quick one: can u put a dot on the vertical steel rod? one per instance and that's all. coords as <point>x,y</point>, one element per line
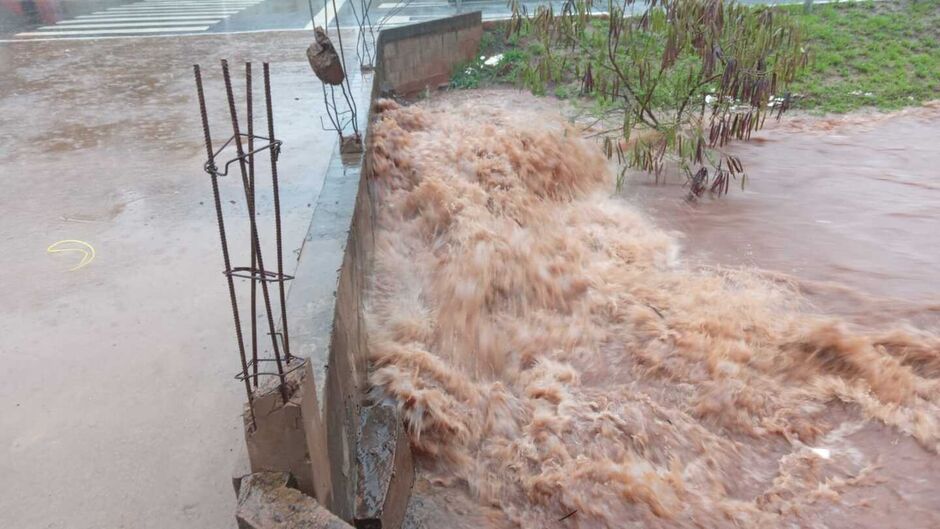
<point>277,210</point>
<point>260,274</point>
<point>351,103</point>
<point>253,226</point>
<point>218,213</point>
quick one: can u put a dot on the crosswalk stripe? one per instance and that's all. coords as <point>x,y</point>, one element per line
<point>181,8</point>
<point>240,3</point>
<point>168,14</point>
<point>162,14</point>
<point>114,31</point>
<point>136,19</point>
<point>59,29</point>
<point>189,4</point>
<point>146,17</point>
<point>325,14</point>
<point>159,13</point>
<point>168,9</point>
<point>141,7</point>
<point>393,5</point>
<point>396,19</point>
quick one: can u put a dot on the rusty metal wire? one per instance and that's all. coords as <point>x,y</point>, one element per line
<point>214,178</point>
<point>297,364</point>
<point>251,183</point>
<point>256,271</point>
<point>255,243</point>
<point>277,213</point>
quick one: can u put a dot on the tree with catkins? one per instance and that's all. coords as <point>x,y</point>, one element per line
<point>678,78</point>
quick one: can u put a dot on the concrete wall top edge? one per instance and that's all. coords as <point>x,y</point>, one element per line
<point>437,26</point>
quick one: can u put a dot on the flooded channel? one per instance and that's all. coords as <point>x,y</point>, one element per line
<point>567,357</point>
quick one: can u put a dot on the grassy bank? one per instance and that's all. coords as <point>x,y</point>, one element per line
<point>885,55</point>
<point>862,54</point>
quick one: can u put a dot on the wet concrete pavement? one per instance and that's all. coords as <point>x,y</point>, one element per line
<point>119,407</point>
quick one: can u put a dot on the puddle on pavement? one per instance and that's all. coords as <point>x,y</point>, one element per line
<point>559,362</point>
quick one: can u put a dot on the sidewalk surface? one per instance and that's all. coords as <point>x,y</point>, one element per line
<point>119,407</point>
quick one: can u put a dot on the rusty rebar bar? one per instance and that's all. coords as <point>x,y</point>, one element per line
<point>342,55</point>
<point>251,213</point>
<point>251,183</point>
<point>221,223</point>
<point>277,212</point>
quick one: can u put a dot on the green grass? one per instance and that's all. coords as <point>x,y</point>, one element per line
<point>864,54</point>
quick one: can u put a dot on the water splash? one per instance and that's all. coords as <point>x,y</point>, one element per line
<point>551,353</point>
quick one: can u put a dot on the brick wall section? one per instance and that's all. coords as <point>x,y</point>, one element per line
<point>412,58</point>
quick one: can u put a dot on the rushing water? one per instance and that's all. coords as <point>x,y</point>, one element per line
<point>558,362</point>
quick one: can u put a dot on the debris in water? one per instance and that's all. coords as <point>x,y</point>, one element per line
<point>494,60</point>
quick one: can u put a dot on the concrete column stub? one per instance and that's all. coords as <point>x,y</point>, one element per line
<point>290,437</point>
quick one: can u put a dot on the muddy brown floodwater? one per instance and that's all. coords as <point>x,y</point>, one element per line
<point>847,208</point>
<point>559,362</point>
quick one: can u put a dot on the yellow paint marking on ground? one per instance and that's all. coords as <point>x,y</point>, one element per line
<point>88,251</point>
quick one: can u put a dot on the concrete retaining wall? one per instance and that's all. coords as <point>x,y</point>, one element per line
<point>325,300</point>
<point>418,56</point>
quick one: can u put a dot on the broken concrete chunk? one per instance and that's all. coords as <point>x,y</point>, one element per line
<point>386,471</point>
<point>266,502</point>
<point>289,437</point>
<point>350,144</point>
<point>324,60</point>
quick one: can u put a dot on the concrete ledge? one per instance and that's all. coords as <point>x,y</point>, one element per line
<point>431,27</point>
<point>386,470</point>
<point>326,316</point>
<point>266,501</point>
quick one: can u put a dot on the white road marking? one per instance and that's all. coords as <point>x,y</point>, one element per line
<point>326,14</point>
<point>159,13</point>
<point>165,9</point>
<point>166,14</point>
<point>193,4</point>
<point>179,8</point>
<point>396,19</point>
<point>133,19</point>
<point>112,31</point>
<point>59,29</point>
<point>389,5</point>
<point>188,4</point>
<point>146,18</point>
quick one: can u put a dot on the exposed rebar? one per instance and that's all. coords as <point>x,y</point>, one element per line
<point>277,212</point>
<point>253,225</point>
<point>251,213</point>
<point>342,55</point>
<point>221,223</point>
